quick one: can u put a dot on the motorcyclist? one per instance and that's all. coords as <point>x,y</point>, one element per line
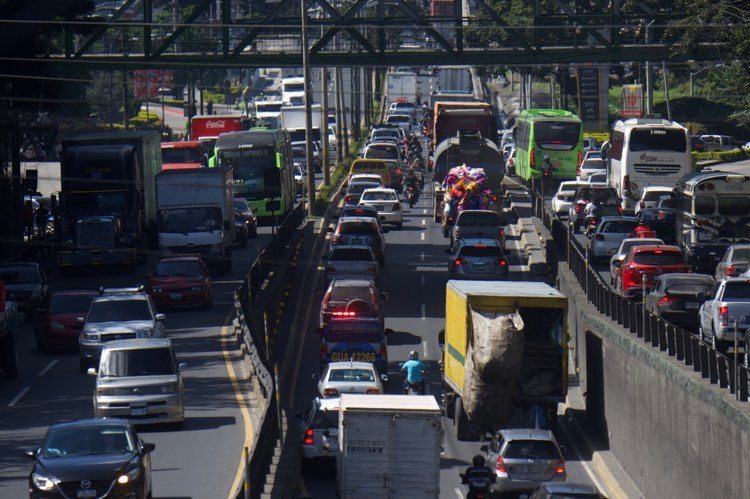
<point>411,180</point>
<point>478,476</point>
<point>414,369</point>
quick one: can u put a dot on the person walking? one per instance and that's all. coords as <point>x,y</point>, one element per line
<point>28,218</point>
<point>42,216</point>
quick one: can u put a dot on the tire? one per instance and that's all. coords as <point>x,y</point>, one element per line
<point>720,346</point>
<point>83,365</point>
<point>461,421</point>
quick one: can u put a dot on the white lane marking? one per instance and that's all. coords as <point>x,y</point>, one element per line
<point>421,280</point>
<point>421,256</point>
<point>424,312</point>
<point>421,236</point>
<point>424,212</point>
<point>424,221</point>
<point>18,397</point>
<point>424,348</point>
<point>46,369</point>
<point>458,493</point>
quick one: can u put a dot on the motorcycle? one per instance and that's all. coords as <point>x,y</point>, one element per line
<point>479,488</point>
<point>412,196</point>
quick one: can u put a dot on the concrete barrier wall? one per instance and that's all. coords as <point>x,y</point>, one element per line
<point>674,434</point>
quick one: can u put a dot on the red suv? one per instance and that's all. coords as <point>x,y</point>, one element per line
<point>645,263</point>
<point>180,281</point>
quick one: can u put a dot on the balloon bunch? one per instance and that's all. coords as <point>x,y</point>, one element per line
<point>464,189</point>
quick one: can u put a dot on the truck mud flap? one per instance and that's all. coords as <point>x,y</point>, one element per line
<point>464,431</point>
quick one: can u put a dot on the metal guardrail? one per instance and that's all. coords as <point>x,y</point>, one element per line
<point>259,456</point>
<point>685,346</point>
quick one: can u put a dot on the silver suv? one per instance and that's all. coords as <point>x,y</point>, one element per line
<point>117,314</point>
<point>478,259</point>
<point>139,380</point>
<point>523,459</point>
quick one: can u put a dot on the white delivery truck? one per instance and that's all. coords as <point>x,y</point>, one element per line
<point>293,120</point>
<point>195,210</point>
<point>389,447</point>
<point>402,86</point>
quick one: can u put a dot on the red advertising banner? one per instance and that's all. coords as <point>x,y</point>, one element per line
<point>147,82</point>
<point>632,101</point>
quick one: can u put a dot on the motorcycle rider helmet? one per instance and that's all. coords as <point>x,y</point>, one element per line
<point>413,355</point>
<point>478,460</point>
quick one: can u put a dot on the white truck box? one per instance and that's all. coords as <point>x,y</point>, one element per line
<point>402,86</point>
<point>389,447</point>
<point>293,117</point>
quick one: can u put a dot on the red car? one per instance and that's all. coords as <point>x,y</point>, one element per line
<point>180,281</point>
<point>56,325</point>
<point>647,262</point>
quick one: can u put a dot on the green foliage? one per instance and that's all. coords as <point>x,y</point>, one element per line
<point>146,122</point>
<point>715,117</point>
<point>723,156</point>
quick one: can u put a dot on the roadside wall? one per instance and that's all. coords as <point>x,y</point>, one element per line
<point>674,435</point>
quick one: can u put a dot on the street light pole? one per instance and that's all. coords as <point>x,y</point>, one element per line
<point>308,114</point>
<point>649,76</point>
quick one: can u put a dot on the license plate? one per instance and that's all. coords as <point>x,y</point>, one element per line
<point>357,241</point>
<point>379,207</point>
<point>691,305</point>
<point>356,356</point>
<point>175,296</point>
<point>138,411</point>
<point>86,493</point>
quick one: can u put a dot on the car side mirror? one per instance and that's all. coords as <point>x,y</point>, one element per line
<point>80,320</point>
<point>441,337</point>
<point>31,453</point>
<point>160,317</point>
<point>335,217</point>
<point>148,448</point>
<point>384,295</point>
<point>388,330</point>
<point>316,376</point>
<point>91,371</point>
<point>181,366</point>
<point>484,448</point>
<point>616,263</point>
<point>384,377</point>
<point>563,449</point>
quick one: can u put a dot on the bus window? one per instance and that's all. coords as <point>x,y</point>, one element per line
<point>559,135</point>
<point>734,206</point>
<point>657,139</point>
<point>704,205</point>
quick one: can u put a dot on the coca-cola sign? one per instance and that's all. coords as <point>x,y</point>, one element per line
<point>216,124</point>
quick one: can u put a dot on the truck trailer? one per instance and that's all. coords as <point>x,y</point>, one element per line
<point>108,198</point>
<point>505,354</point>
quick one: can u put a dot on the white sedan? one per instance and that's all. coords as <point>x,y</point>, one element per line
<point>349,377</point>
<point>386,202</point>
<point>564,196</point>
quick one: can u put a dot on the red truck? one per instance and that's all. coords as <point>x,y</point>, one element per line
<point>182,155</point>
<point>450,117</point>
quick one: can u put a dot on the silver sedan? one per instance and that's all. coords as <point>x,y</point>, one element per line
<point>349,377</point>
<point>609,233</point>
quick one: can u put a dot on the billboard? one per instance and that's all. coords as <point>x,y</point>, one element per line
<point>147,82</point>
<point>632,101</point>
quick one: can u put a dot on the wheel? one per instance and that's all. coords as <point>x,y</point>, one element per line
<point>83,365</point>
<point>461,421</point>
<point>718,345</point>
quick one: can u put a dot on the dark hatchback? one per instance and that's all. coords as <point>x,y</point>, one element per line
<point>25,284</point>
<point>56,325</point>
<point>91,458</point>
<point>662,220</point>
<point>674,298</point>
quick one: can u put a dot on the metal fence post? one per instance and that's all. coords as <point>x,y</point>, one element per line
<point>246,485</point>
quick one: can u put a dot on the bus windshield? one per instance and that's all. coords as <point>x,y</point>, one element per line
<point>558,135</point>
<point>256,168</point>
<point>657,139</point>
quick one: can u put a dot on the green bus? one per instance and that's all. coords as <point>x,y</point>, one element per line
<point>554,133</point>
<point>263,169</point>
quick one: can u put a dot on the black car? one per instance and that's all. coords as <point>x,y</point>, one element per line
<point>673,298</point>
<point>552,490</point>
<point>662,220</point>
<point>91,458</point>
<point>25,284</point>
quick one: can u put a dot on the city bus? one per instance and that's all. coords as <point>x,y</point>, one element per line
<point>263,169</point>
<point>713,212</point>
<point>646,152</point>
<point>552,133</point>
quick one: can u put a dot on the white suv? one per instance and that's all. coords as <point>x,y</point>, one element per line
<point>386,202</point>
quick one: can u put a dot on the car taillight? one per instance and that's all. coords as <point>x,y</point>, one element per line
<point>560,468</point>
<point>372,269</point>
<point>724,316</point>
<point>619,210</point>
<point>344,313</point>
<point>459,261</point>
<point>330,392</point>
<point>667,301</point>
<point>502,232</point>
<point>731,271</point>
<point>348,199</point>
<point>532,157</point>
<point>309,440</point>
<point>330,268</point>
<point>502,262</point>
<point>396,206</point>
<point>580,160</point>
<point>494,198</point>
<point>323,351</point>
<point>372,391</point>
<point>383,350</point>
<point>599,237</point>
<point>578,209</point>
<point>626,183</point>
<point>500,466</point>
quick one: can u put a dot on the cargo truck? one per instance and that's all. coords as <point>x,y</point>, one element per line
<point>196,214</point>
<point>401,86</point>
<point>450,117</point>
<point>293,120</point>
<point>108,198</point>
<point>389,447</point>
<point>504,356</point>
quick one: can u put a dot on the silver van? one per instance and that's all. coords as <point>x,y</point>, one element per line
<point>139,380</point>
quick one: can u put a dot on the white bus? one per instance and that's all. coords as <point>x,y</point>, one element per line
<point>713,212</point>
<point>647,152</point>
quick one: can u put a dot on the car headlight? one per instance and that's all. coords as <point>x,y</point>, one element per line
<point>197,288</point>
<point>158,290</point>
<point>170,388</point>
<point>56,326</point>
<point>90,336</point>
<point>129,476</point>
<point>42,482</point>
<point>105,392</point>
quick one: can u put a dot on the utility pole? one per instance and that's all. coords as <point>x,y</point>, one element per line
<point>344,127</point>
<point>308,114</point>
<point>649,75</point>
<point>125,99</point>
<point>339,116</point>
<point>666,89</point>
<point>324,124</point>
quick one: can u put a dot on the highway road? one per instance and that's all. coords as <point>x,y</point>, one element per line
<point>414,276</point>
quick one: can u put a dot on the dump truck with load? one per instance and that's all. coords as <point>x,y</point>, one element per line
<point>505,354</point>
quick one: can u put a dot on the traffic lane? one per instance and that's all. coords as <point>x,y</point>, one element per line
<point>50,388</point>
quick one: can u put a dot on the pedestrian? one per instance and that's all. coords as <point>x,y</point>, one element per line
<point>210,107</point>
<point>28,218</point>
<point>42,216</point>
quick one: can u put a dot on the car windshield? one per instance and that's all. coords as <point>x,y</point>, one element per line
<point>67,442</point>
<point>398,119</point>
<point>184,268</point>
<point>353,331</point>
<point>484,219</point>
<point>560,135</point>
<point>366,228</point>
<point>360,187</point>
<point>384,151</point>
<point>255,168</point>
<point>688,287</point>
<point>659,258</point>
<point>19,275</point>
<point>351,374</point>
<point>119,310</point>
<point>326,419</point>
<point>138,362</point>
<point>351,255</point>
<point>241,205</point>
<point>531,449</point>
<point>661,215</point>
<point>192,219</point>
<point>294,87</point>
<point>379,196</point>
<point>657,139</point>
<point>734,206</point>
<point>737,291</point>
<point>381,134</point>
<point>348,293</point>
<point>182,155</point>
<point>654,195</point>
<point>594,164</point>
<point>479,250</point>
<point>65,304</point>
<point>619,227</point>
<point>740,254</point>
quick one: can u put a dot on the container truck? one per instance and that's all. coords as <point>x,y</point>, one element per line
<point>455,78</point>
<point>293,120</point>
<point>450,117</point>
<point>196,214</point>
<point>389,447</point>
<point>108,198</point>
<point>401,86</point>
<point>504,356</point>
